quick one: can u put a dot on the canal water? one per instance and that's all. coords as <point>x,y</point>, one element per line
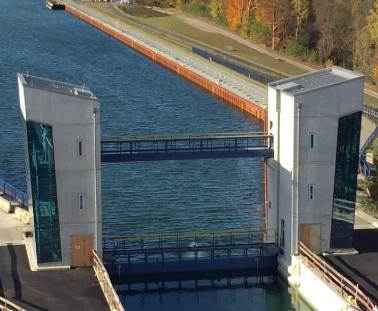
<point>139,96</point>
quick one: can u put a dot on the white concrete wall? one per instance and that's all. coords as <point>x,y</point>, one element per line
<point>72,118</point>
<point>319,113</point>
<point>295,165</point>
<point>286,169</point>
<point>318,291</point>
<point>272,164</point>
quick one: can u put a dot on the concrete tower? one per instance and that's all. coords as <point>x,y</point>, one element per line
<point>316,121</point>
<point>62,144</point>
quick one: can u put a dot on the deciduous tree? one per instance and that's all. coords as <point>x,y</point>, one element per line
<point>301,13</point>
<point>217,8</point>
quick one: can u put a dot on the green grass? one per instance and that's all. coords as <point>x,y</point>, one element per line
<point>177,25</point>
<point>370,205</point>
<point>100,9</point>
<point>141,11</point>
<point>370,100</point>
<point>171,42</point>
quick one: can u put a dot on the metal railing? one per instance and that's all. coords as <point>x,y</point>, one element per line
<point>15,194</point>
<point>235,67</point>
<point>173,245</point>
<point>111,295</point>
<point>371,113</point>
<point>346,287</point>
<point>186,147</point>
<point>6,305</point>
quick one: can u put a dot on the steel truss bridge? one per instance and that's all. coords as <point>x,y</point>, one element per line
<point>183,147</point>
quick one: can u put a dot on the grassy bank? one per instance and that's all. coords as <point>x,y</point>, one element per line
<point>176,25</point>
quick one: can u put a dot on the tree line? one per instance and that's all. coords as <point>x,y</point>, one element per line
<point>326,32</point>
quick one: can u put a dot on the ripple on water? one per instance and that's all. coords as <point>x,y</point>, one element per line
<point>138,96</point>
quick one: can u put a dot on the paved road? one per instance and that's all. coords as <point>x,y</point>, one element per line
<point>361,269</point>
<point>367,127</point>
<point>69,290</point>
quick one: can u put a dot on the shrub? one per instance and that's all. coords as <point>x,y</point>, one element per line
<point>312,56</point>
<point>260,33</point>
<point>294,49</point>
<point>196,8</point>
<point>329,62</point>
<point>221,20</point>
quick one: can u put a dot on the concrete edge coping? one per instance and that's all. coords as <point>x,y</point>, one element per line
<point>14,243</point>
<point>298,259</point>
<point>341,252</point>
<point>28,241</point>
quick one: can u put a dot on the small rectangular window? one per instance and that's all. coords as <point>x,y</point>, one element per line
<point>81,201</point>
<point>269,204</point>
<point>311,193</point>
<point>282,242</point>
<point>79,148</point>
<point>270,124</point>
<point>312,140</point>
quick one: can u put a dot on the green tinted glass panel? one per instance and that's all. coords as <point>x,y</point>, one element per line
<point>347,157</point>
<point>43,191</point>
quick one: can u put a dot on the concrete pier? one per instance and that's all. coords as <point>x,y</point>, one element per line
<point>75,289</point>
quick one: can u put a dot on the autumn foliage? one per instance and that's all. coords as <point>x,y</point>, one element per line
<point>330,32</point>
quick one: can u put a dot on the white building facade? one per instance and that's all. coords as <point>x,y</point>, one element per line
<point>62,144</point>
<point>316,121</point>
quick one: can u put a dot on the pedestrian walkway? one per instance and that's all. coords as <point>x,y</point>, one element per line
<point>367,127</point>
<point>364,221</point>
<point>11,229</point>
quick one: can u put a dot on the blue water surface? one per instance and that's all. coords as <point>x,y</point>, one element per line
<point>138,96</point>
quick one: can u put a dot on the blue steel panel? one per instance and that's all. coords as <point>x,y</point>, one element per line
<point>268,153</point>
<point>186,147</point>
<point>192,269</point>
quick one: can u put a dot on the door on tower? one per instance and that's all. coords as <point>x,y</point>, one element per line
<point>82,250</point>
<point>311,237</point>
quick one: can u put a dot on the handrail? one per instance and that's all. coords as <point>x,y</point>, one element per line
<point>153,136</point>
<point>183,138</point>
<point>371,113</point>
<point>175,235</point>
<point>345,286</point>
<point>237,240</point>
<point>110,294</point>
<point>5,304</point>
<point>14,193</point>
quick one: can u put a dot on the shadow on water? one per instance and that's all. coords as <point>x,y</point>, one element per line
<point>242,293</point>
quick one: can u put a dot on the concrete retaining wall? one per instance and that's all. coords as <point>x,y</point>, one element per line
<point>22,214</point>
<point>9,206</point>
<point>6,205</point>
<point>322,294</point>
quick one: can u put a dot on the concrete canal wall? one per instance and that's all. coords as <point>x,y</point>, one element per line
<point>219,83</point>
